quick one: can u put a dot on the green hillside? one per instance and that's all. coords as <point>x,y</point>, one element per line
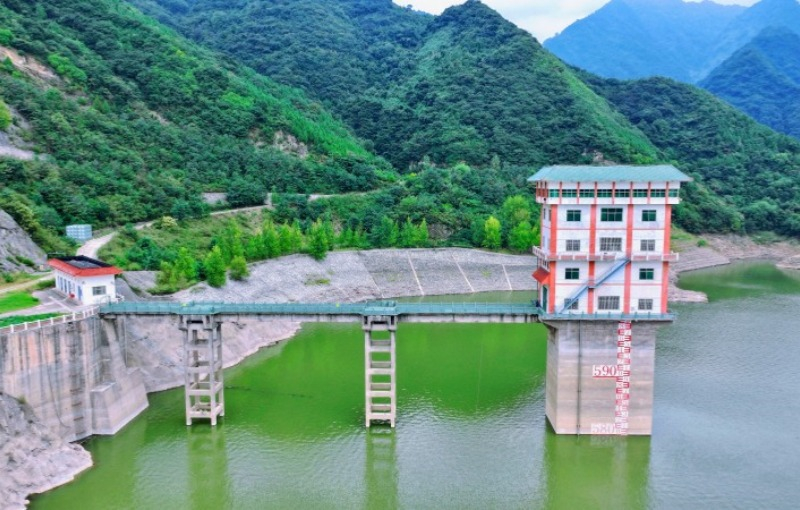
<point>464,86</point>
<point>749,169</point>
<point>763,80</point>
<point>131,121</point>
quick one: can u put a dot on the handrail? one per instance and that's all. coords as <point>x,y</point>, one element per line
<point>61,319</point>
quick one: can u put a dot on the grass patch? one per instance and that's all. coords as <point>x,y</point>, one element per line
<point>317,281</point>
<point>45,284</point>
<point>16,301</point>
<point>20,319</point>
<point>8,279</point>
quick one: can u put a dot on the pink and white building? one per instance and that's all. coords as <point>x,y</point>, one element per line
<point>605,238</point>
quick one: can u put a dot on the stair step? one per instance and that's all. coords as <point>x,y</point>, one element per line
<point>380,386</point>
<point>381,408</point>
<point>380,364</point>
<point>379,394</point>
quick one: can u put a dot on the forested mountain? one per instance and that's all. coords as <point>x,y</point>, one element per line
<point>464,86</point>
<point>681,40</point>
<point>752,173</point>
<point>640,38</point>
<point>132,121</point>
<point>763,80</point>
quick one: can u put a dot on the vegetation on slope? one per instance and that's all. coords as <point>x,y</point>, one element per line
<point>139,121</point>
<point>763,80</point>
<point>464,86</point>
<point>748,176</point>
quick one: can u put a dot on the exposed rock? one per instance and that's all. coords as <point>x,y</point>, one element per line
<point>32,458</point>
<point>16,247</point>
<point>289,144</point>
<point>29,65</point>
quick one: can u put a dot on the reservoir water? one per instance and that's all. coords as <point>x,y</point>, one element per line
<point>471,431</point>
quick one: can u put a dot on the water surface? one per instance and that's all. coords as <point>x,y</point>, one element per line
<point>471,431</point>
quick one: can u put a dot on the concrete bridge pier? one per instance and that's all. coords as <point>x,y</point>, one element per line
<point>202,348</point>
<point>600,376</point>
<point>380,333</point>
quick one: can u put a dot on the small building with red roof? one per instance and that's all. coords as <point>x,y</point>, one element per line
<point>84,279</point>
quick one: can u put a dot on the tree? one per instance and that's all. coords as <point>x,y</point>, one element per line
<point>317,241</point>
<point>386,233</point>
<point>214,266</point>
<point>5,116</point>
<point>270,238</point>
<point>239,268</point>
<point>521,237</point>
<point>515,210</point>
<point>422,237</point>
<point>186,266</point>
<point>408,235</point>
<point>243,193</point>
<point>491,233</point>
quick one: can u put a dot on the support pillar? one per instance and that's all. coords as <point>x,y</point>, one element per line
<point>600,377</point>
<point>202,345</point>
<point>379,368</point>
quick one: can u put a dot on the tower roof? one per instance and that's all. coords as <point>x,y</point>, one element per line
<point>627,173</point>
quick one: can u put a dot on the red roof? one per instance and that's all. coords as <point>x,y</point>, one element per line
<point>541,275</point>
<point>83,266</point>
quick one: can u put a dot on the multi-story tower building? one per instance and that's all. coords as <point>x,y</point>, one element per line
<point>605,238</point>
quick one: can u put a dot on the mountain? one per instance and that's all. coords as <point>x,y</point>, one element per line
<point>464,86</point>
<point>763,80</point>
<point>129,121</point>
<point>751,22</point>
<point>750,174</point>
<point>640,38</point>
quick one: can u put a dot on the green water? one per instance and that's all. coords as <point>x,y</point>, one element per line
<point>471,430</point>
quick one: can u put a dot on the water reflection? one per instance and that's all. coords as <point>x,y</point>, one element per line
<point>596,471</point>
<point>380,474</point>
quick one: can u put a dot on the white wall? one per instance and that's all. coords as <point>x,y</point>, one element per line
<point>81,288</point>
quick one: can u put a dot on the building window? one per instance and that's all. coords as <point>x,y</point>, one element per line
<point>573,245</point>
<point>604,193</point>
<point>649,215</point>
<point>572,273</point>
<point>674,193</point>
<point>610,244</point>
<point>622,193</point>
<point>572,306</point>
<point>647,274</point>
<point>569,193</point>
<point>554,193</point>
<point>645,304</point>
<point>99,291</point>
<point>658,193</point>
<point>611,214</point>
<point>648,245</point>
<point>573,215</point>
<point>587,193</point>
<point>640,193</point>
<point>608,303</point>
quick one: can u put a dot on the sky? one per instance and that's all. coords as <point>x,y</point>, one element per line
<point>542,18</point>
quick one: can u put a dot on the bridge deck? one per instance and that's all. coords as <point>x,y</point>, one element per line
<point>414,312</point>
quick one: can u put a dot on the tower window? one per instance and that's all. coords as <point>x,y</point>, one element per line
<point>645,304</point>
<point>573,215</point>
<point>608,303</point>
<point>611,214</point>
<point>658,193</point>
<point>604,193</point>
<point>640,193</point>
<point>622,193</point>
<point>674,193</point>
<point>572,273</point>
<point>610,244</point>
<point>573,306</point>
<point>649,215</point>
<point>573,245</point>
<point>587,193</point>
<point>569,193</point>
<point>647,274</point>
<point>554,193</point>
<point>648,245</point>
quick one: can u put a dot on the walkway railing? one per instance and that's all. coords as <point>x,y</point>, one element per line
<point>72,317</point>
<point>360,309</point>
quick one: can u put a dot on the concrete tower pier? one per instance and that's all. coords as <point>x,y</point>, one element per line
<point>600,381</point>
